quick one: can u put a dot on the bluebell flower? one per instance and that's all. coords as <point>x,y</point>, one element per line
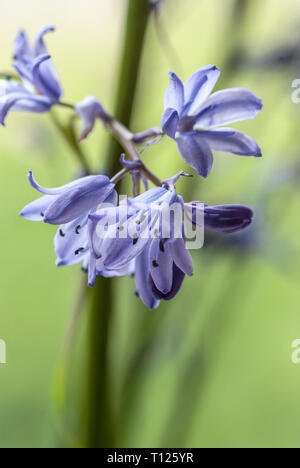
<point>40,88</point>
<point>90,109</point>
<point>193,115</point>
<point>69,206</point>
<point>158,253</point>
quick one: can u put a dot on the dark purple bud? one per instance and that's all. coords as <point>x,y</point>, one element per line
<point>227,218</point>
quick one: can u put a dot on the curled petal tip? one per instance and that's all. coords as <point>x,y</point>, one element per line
<point>31,179</point>
<point>40,59</point>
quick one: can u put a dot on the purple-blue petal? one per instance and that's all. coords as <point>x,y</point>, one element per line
<point>39,46</point>
<point>174,96</point>
<point>78,183</point>
<point>142,276</point>
<point>117,250</point>
<point>198,87</point>
<point>169,122</point>
<point>228,106</point>
<point>196,152</point>
<point>45,78</point>
<point>35,211</point>
<point>181,256</point>
<point>22,101</point>
<point>178,278</point>
<point>22,49</point>
<point>229,140</point>
<point>71,242</point>
<point>161,265</point>
<point>90,109</point>
<point>81,198</point>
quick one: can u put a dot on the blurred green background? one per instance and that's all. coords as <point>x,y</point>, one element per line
<point>213,368</point>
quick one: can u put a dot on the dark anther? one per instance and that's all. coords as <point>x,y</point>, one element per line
<point>61,233</point>
<point>77,230</point>
<point>155,264</point>
<point>141,220</point>
<point>137,294</point>
<point>42,215</point>
<point>84,270</point>
<point>135,240</point>
<point>78,251</point>
<point>161,246</point>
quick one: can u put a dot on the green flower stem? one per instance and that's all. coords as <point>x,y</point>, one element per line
<point>99,427</point>
<point>69,134</point>
<point>137,19</point>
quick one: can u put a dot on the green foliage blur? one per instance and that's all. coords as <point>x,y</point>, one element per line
<point>213,368</point>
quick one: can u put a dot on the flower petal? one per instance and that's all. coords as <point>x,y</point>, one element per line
<point>117,250</point>
<point>161,265</point>
<point>174,96</point>
<point>71,242</point>
<point>151,196</point>
<point>45,78</point>
<point>181,256</point>
<point>142,280</point>
<point>178,278</point>
<point>89,110</point>
<point>126,270</point>
<point>82,198</point>
<point>35,211</point>
<point>169,122</point>
<point>82,182</point>
<point>22,49</point>
<point>228,106</point>
<point>92,271</point>
<point>22,101</point>
<point>23,57</point>
<point>11,87</point>
<point>39,46</point>
<point>232,141</point>
<point>198,87</point>
<point>196,152</point>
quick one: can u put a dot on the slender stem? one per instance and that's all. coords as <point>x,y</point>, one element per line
<point>69,134</point>
<point>142,137</point>
<point>99,423</point>
<point>125,139</point>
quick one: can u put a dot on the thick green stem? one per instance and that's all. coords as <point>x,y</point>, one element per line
<point>137,19</point>
<point>99,420</point>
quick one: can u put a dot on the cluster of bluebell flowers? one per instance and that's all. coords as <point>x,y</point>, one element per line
<point>146,235</point>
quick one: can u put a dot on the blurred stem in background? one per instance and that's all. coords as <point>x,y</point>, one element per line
<point>99,427</point>
<point>203,359</point>
<point>234,57</point>
<point>69,134</point>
